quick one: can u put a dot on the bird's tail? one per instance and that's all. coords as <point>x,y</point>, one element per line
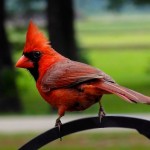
<point>125,93</point>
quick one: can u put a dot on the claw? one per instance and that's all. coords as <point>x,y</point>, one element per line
<point>58,124</point>
<point>101,113</point>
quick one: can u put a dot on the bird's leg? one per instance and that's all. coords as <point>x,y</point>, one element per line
<point>101,113</point>
<point>58,124</point>
<point>61,112</point>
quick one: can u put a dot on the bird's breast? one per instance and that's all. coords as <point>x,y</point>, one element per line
<point>72,98</point>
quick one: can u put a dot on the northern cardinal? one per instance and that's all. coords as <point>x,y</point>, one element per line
<point>65,84</point>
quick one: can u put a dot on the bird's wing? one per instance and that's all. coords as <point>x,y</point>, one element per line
<point>67,73</point>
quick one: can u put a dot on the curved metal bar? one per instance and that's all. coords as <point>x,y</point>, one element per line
<point>141,125</point>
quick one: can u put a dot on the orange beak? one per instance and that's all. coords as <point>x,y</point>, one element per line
<point>24,62</point>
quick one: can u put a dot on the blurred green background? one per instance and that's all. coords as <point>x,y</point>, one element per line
<point>111,35</point>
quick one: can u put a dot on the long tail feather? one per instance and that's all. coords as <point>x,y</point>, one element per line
<point>125,93</point>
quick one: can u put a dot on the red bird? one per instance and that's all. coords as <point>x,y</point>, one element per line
<point>65,84</point>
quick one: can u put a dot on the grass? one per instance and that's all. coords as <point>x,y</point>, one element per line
<point>128,67</point>
<point>123,66</point>
<point>109,26</point>
<point>82,141</point>
<point>114,40</point>
<point>127,33</point>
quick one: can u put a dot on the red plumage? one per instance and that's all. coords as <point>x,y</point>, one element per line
<point>65,84</point>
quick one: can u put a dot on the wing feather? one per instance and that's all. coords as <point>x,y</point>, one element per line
<point>125,93</point>
<point>68,73</point>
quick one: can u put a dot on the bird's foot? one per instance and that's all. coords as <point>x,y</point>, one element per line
<point>58,124</point>
<point>101,113</point>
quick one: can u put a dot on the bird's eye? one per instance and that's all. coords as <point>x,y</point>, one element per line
<point>36,54</point>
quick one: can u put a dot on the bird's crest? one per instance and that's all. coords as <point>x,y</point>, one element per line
<point>35,39</point>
